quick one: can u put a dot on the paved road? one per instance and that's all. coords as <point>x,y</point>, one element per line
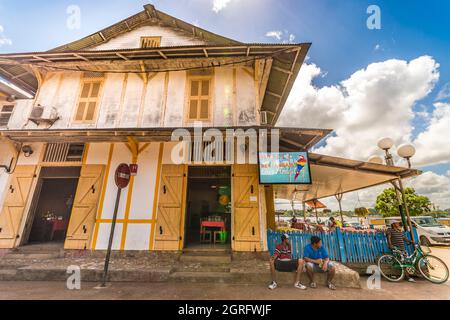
<point>184,291</point>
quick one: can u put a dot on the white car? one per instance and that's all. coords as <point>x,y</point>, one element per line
<point>431,231</point>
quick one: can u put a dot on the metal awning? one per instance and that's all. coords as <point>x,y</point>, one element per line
<point>332,176</point>
<point>299,139</point>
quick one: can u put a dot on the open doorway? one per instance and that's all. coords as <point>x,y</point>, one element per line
<point>52,205</point>
<point>208,210</point>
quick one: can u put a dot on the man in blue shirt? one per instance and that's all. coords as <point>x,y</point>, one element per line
<point>317,260</point>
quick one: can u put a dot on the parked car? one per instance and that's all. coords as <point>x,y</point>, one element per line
<point>429,230</point>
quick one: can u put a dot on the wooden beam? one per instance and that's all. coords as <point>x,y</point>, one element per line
<point>282,70</point>
<point>81,57</point>
<point>122,56</point>
<point>162,54</point>
<point>42,59</point>
<point>205,52</point>
<point>274,94</point>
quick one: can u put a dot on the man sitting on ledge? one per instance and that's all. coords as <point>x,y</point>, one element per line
<point>282,261</point>
<point>317,260</point>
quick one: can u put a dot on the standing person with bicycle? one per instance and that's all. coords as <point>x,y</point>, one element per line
<point>396,240</point>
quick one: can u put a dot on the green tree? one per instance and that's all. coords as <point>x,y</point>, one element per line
<point>387,203</point>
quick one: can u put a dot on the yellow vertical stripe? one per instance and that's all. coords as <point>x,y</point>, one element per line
<point>128,206</point>
<point>102,198</point>
<point>85,153</point>
<point>156,195</point>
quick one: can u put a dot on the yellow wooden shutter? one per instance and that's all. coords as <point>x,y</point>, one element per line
<point>150,42</point>
<point>17,194</point>
<point>88,100</point>
<point>246,222</point>
<point>170,208</point>
<point>199,99</point>
<point>82,218</point>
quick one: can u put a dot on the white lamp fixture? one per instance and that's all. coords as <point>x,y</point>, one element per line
<point>406,151</point>
<point>385,143</point>
<point>375,159</point>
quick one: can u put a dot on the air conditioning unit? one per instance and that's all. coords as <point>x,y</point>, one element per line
<point>37,116</point>
<point>263,119</point>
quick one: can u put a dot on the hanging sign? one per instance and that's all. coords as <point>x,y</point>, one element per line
<point>133,169</point>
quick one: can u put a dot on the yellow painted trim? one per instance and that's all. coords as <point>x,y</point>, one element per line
<point>129,221</point>
<point>134,148</point>
<point>102,197</point>
<point>183,208</point>
<point>85,154</point>
<point>156,195</point>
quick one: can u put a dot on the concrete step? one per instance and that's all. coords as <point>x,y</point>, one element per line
<point>201,277</point>
<point>33,256</point>
<point>203,258</point>
<point>202,268</point>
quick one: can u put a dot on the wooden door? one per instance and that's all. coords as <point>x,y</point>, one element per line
<point>17,194</point>
<point>172,191</point>
<point>84,211</point>
<point>246,222</point>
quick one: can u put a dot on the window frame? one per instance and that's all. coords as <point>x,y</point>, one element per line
<point>190,79</point>
<point>83,81</point>
<point>5,104</point>
<point>143,38</point>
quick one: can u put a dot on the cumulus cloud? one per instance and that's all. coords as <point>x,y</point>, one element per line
<point>219,5</point>
<point>275,34</point>
<point>433,144</point>
<point>3,39</point>
<point>375,102</point>
<point>444,93</point>
<point>283,36</point>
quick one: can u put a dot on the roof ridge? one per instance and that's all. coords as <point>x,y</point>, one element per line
<point>149,14</point>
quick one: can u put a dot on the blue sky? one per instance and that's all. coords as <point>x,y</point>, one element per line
<point>342,43</point>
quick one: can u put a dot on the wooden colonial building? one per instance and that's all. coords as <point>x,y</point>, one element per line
<point>115,97</point>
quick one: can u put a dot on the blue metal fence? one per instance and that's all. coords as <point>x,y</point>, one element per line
<point>345,247</point>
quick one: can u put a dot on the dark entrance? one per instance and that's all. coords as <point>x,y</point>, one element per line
<point>208,210</point>
<point>52,205</point>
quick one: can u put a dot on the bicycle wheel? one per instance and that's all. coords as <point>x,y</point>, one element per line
<point>390,268</point>
<point>433,269</point>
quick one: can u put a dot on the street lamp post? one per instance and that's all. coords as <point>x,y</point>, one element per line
<point>405,151</point>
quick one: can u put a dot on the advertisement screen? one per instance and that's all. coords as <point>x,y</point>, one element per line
<point>284,168</point>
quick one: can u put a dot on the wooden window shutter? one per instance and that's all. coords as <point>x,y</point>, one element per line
<point>89,100</point>
<point>199,99</point>
<point>5,114</point>
<point>150,42</point>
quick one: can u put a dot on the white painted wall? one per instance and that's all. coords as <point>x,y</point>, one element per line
<point>126,102</point>
<point>169,37</point>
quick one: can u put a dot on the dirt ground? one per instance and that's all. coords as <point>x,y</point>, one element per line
<point>195,291</point>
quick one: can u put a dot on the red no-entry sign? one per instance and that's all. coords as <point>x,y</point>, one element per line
<point>122,176</point>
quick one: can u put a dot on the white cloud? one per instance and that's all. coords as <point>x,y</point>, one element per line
<point>275,34</point>
<point>444,93</point>
<point>3,39</point>
<point>448,173</point>
<point>283,36</point>
<point>219,5</point>
<point>377,47</point>
<point>434,186</point>
<point>375,102</point>
<point>433,144</point>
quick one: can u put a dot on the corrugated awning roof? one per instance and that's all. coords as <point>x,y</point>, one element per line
<point>333,175</point>
<point>303,138</point>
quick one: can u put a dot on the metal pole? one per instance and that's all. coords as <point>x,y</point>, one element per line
<point>304,211</point>
<point>339,199</point>
<point>390,162</point>
<point>408,216</point>
<point>111,238</point>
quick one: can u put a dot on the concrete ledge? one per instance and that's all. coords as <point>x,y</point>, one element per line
<point>345,277</point>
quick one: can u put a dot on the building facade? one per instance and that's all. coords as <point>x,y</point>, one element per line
<point>116,97</point>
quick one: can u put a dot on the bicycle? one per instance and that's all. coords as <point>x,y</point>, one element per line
<point>394,266</point>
